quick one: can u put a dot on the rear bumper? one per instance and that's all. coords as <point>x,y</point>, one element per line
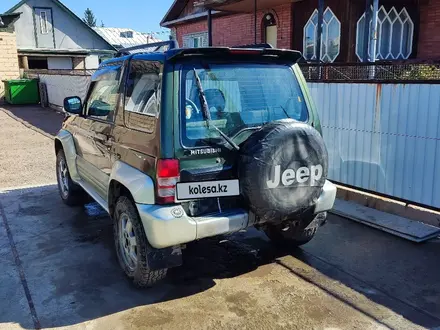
<point>167,226</point>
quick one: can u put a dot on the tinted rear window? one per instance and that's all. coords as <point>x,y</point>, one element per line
<point>239,96</point>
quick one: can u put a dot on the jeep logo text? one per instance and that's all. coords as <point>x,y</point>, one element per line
<point>289,176</point>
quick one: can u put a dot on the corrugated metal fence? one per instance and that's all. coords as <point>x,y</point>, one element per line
<point>383,137</point>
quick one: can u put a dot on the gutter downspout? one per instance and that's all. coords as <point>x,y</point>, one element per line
<point>373,40</point>
<point>255,21</point>
<point>319,29</point>
<point>209,27</point>
<point>366,54</point>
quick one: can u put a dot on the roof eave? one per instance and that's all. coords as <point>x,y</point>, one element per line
<point>188,18</point>
<point>172,7</point>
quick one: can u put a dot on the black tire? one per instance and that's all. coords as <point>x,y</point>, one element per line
<point>71,193</point>
<point>139,272</point>
<point>291,237</point>
<point>287,149</point>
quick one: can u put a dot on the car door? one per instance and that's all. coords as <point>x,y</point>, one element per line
<point>94,132</point>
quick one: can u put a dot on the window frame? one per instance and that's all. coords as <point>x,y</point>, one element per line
<point>199,40</point>
<point>325,27</point>
<point>118,98</point>
<point>44,23</point>
<point>378,56</point>
<point>158,98</point>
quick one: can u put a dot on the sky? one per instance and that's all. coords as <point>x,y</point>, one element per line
<point>139,15</point>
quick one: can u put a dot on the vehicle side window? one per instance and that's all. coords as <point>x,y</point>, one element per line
<point>142,96</point>
<point>104,94</point>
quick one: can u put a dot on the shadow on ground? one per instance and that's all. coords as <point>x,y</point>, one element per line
<point>44,120</point>
<point>73,276</point>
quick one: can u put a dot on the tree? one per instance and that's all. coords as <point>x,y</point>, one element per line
<point>102,24</point>
<point>89,18</point>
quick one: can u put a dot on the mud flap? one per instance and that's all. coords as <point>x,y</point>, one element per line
<point>164,258</point>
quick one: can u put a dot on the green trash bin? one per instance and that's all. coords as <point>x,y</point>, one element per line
<point>22,91</point>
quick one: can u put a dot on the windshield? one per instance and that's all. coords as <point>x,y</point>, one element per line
<point>239,96</point>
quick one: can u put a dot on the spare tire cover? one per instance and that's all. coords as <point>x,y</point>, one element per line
<point>282,169</point>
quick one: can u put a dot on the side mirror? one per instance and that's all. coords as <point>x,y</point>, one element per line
<point>99,108</point>
<point>73,105</point>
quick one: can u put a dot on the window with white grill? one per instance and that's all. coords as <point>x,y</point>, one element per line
<point>195,40</point>
<point>395,33</point>
<point>330,38</point>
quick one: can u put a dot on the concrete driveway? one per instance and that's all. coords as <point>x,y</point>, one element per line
<point>58,268</point>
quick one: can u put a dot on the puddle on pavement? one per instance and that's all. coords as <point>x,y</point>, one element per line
<point>93,225</point>
<point>95,210</point>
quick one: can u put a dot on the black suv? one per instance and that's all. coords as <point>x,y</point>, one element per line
<point>182,144</point>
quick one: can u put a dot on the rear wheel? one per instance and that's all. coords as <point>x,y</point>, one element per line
<point>71,193</point>
<point>132,247</point>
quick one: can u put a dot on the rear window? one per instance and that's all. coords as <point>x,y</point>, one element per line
<point>239,96</point>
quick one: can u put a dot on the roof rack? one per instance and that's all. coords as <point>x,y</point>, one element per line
<point>148,48</point>
<point>281,54</point>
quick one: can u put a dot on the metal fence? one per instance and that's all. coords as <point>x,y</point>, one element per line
<point>383,138</point>
<point>373,72</point>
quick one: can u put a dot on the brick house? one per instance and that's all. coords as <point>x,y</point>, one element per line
<point>406,29</point>
<point>8,50</point>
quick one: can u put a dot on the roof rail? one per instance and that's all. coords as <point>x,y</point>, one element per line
<point>264,45</point>
<point>148,48</point>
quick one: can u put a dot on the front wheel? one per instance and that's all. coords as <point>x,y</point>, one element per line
<point>132,247</point>
<point>71,193</point>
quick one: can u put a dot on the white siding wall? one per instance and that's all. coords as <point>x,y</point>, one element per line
<point>59,63</point>
<point>92,62</point>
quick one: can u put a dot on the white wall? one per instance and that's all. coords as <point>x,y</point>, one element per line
<point>59,63</point>
<point>92,62</point>
<point>70,33</point>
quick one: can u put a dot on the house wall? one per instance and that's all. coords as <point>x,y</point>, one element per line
<point>238,29</point>
<point>8,59</point>
<point>59,63</point>
<point>429,37</point>
<point>291,18</point>
<point>92,62</point>
<point>348,13</point>
<point>70,32</point>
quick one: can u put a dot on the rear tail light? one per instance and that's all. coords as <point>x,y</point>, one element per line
<point>168,174</point>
